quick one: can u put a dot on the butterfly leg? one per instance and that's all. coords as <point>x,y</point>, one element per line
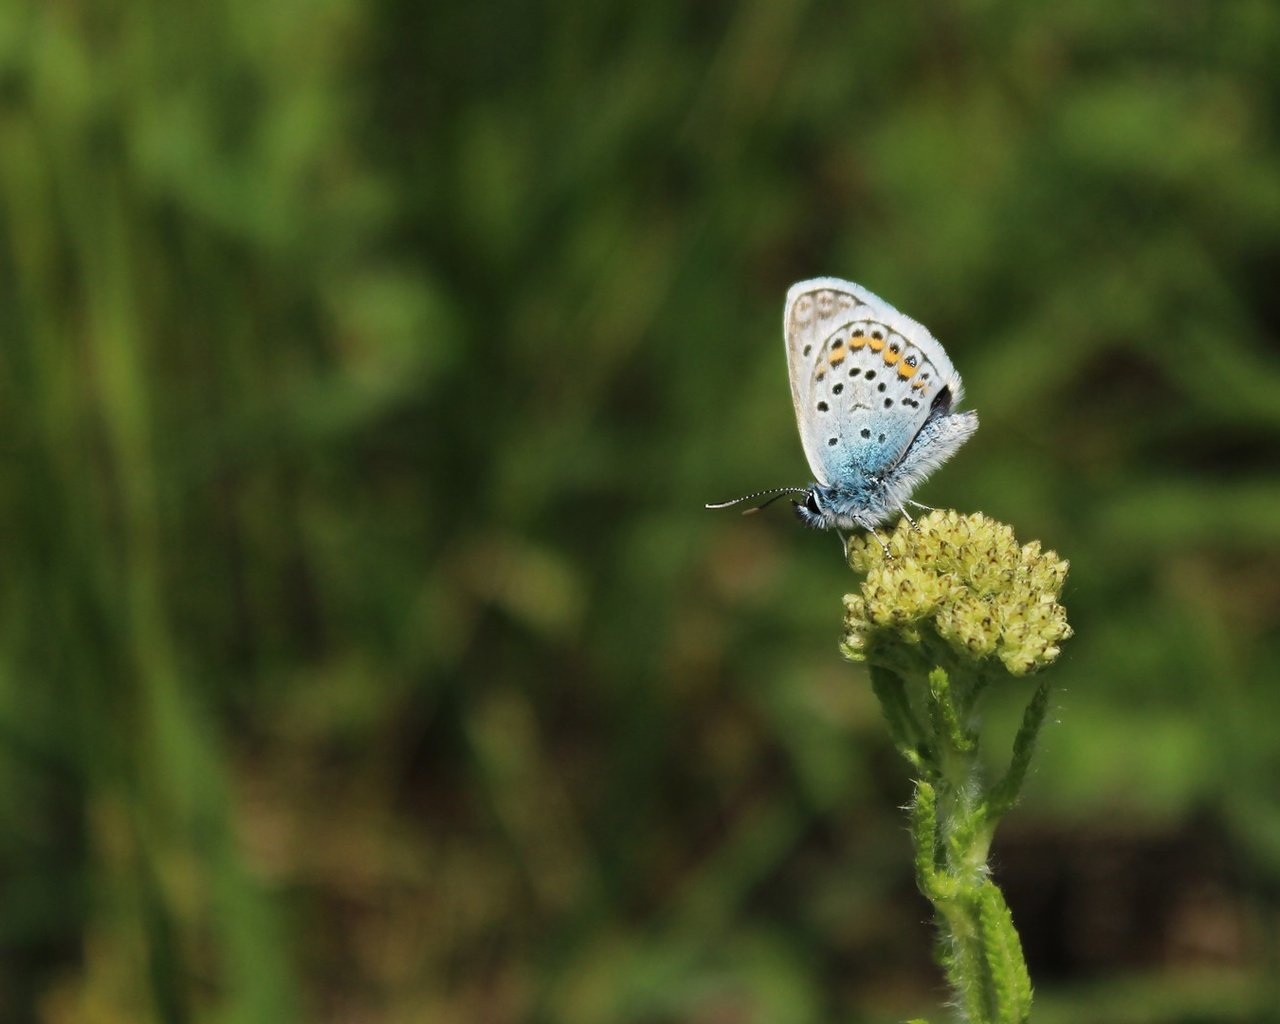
<point>872,530</point>
<point>844,544</point>
<point>907,516</point>
<point>917,504</point>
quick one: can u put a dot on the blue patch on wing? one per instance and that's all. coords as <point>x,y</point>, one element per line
<point>866,446</point>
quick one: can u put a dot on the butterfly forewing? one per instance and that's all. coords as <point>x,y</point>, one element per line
<point>863,377</point>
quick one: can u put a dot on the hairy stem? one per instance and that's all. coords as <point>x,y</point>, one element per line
<point>953,817</point>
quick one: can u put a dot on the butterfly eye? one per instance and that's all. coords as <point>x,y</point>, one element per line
<point>811,503</point>
<point>942,400</point>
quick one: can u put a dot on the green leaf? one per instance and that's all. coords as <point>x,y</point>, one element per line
<point>1010,985</point>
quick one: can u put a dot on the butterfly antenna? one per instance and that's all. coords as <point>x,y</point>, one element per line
<point>777,493</point>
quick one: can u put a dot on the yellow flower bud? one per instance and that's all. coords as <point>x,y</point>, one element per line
<point>963,580</point>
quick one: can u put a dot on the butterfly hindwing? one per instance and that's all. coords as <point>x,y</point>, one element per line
<point>864,378</point>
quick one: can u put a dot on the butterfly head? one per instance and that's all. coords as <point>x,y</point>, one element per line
<point>814,510</point>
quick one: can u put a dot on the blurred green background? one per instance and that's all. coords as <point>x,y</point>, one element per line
<point>366,654</point>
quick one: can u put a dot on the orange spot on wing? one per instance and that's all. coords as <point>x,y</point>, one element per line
<point>917,386</point>
<point>876,344</point>
<point>906,371</point>
<point>836,357</point>
<point>857,341</point>
<point>891,357</point>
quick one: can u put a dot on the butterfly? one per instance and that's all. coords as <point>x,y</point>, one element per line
<point>875,398</point>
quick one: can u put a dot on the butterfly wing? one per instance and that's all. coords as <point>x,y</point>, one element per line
<point>864,378</point>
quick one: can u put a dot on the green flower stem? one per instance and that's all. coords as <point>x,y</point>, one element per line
<point>904,729</point>
<point>953,819</point>
<point>952,607</point>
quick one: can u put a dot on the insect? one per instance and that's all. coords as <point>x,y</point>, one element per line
<point>875,398</point>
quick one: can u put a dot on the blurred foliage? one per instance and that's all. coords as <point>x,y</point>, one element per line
<point>365,651</point>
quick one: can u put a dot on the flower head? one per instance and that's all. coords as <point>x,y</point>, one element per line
<point>961,580</point>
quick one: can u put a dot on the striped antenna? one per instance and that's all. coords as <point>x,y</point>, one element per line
<point>777,493</point>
